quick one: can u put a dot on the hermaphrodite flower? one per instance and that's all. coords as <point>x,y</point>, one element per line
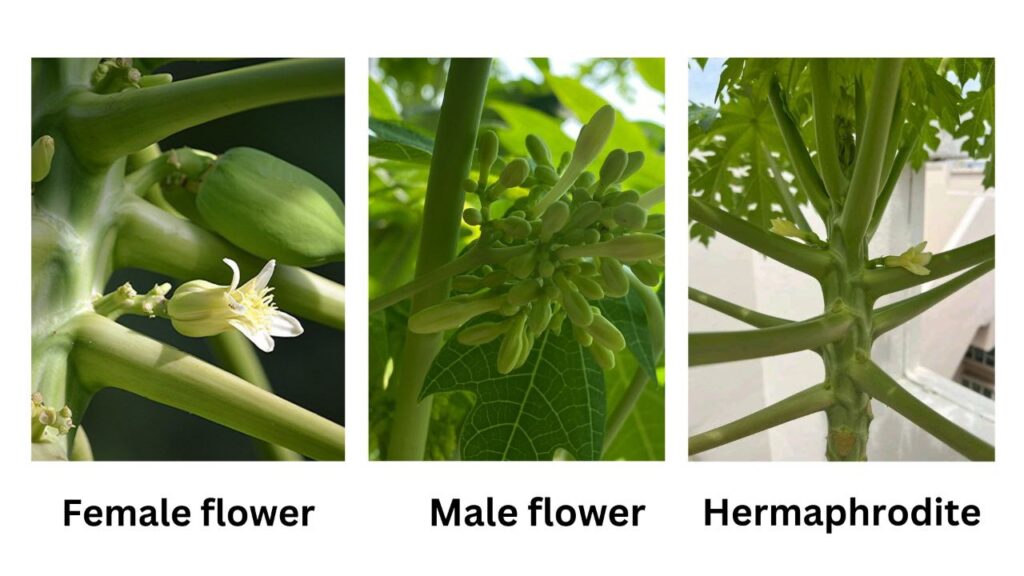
<point>200,308</point>
<point>913,260</point>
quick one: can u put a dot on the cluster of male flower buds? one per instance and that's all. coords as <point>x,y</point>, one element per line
<point>44,417</point>
<point>569,242</point>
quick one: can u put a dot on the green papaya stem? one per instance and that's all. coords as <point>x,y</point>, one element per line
<point>656,326</point>
<point>236,355</point>
<point>825,129</point>
<point>867,169</point>
<point>786,198</point>
<point>151,239</point>
<point>455,142</point>
<point>895,171</point>
<point>752,317</point>
<point>715,347</point>
<point>804,403</point>
<point>104,127</point>
<point>880,386</point>
<point>471,259</point>
<point>107,354</point>
<point>803,167</point>
<point>882,281</point>
<point>808,260</point>
<point>893,315</point>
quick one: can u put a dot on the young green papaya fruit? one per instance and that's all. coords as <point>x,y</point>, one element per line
<point>272,209</point>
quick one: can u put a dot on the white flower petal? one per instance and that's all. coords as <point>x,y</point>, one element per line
<point>261,338</point>
<point>260,281</point>
<point>235,274</point>
<point>285,325</point>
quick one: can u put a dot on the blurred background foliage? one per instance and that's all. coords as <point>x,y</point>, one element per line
<point>535,96</point>
<point>309,370</point>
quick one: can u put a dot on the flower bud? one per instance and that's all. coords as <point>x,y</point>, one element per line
<point>606,334</point>
<point>42,157</point>
<point>593,136</point>
<point>481,333</point>
<point>546,175</point>
<point>524,292</point>
<point>630,216</point>
<point>488,152</point>
<point>614,279</point>
<point>515,173</point>
<point>629,248</point>
<point>590,289</point>
<point>540,316</point>
<point>449,315</point>
<point>582,336</point>
<point>603,356</point>
<point>472,216</point>
<point>273,209</point>
<point>553,220</point>
<point>540,152</point>
<point>614,165</point>
<point>646,272</point>
<point>634,162</point>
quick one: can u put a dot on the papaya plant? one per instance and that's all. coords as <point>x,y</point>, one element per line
<point>799,162</point>
<point>231,235</point>
<point>528,325</point>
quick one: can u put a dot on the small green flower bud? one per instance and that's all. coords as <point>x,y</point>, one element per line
<point>628,196</point>
<point>630,216</point>
<point>514,227</point>
<point>563,161</point>
<point>553,220</point>
<point>545,268</point>
<point>589,288</point>
<point>487,151</point>
<point>469,185</point>
<point>557,319</point>
<point>584,215</point>
<point>524,353</point>
<point>450,315</point>
<point>522,266</point>
<point>540,152</point>
<point>511,345</point>
<point>582,336</point>
<point>524,292</point>
<point>587,268</point>
<point>150,80</point>
<point>551,290</point>
<point>42,157</point>
<point>481,333</point>
<point>593,136</point>
<point>586,180</point>
<point>603,356</point>
<point>472,216</point>
<point>614,165</point>
<point>574,237</point>
<point>646,272</point>
<point>576,306</point>
<point>494,278</point>
<point>634,163</point>
<point>613,278</point>
<point>508,309</point>
<point>655,223</point>
<point>591,236</point>
<point>540,316</point>
<point>605,333</point>
<point>546,175</point>
<point>515,173</point>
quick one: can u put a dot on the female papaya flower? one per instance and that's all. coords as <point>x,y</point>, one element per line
<point>913,260</point>
<point>200,308</point>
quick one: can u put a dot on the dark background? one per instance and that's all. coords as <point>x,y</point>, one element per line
<point>308,370</point>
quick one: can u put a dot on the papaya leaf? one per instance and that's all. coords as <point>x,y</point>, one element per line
<point>555,400</point>
<point>520,121</point>
<point>380,104</point>
<point>642,436</point>
<point>393,141</point>
<point>652,70</point>
<point>630,317</point>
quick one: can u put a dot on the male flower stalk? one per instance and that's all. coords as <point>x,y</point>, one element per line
<point>200,308</point>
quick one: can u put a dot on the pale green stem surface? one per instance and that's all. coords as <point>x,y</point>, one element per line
<point>893,315</point>
<point>455,142</point>
<point>880,386</point>
<point>107,354</point>
<point>752,317</point>
<point>714,347</point>
<point>824,128</point>
<point>803,167</point>
<point>236,355</point>
<point>104,127</point>
<point>804,403</point>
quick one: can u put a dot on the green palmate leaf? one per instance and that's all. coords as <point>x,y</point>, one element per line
<point>630,317</point>
<point>652,70</point>
<point>380,104</point>
<point>393,141</point>
<point>520,121</point>
<point>555,400</point>
<point>978,128</point>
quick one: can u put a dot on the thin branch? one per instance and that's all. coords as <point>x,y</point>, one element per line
<point>151,239</point>
<point>804,403</point>
<point>713,347</point>
<point>786,198</point>
<point>793,254</point>
<point>806,174</point>
<point>895,171</point>
<point>873,381</point>
<point>235,354</point>
<point>105,127</point>
<point>752,317</point>
<point>884,281</point>
<point>107,354</point>
<point>893,315</point>
<point>825,129</point>
<point>867,170</point>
